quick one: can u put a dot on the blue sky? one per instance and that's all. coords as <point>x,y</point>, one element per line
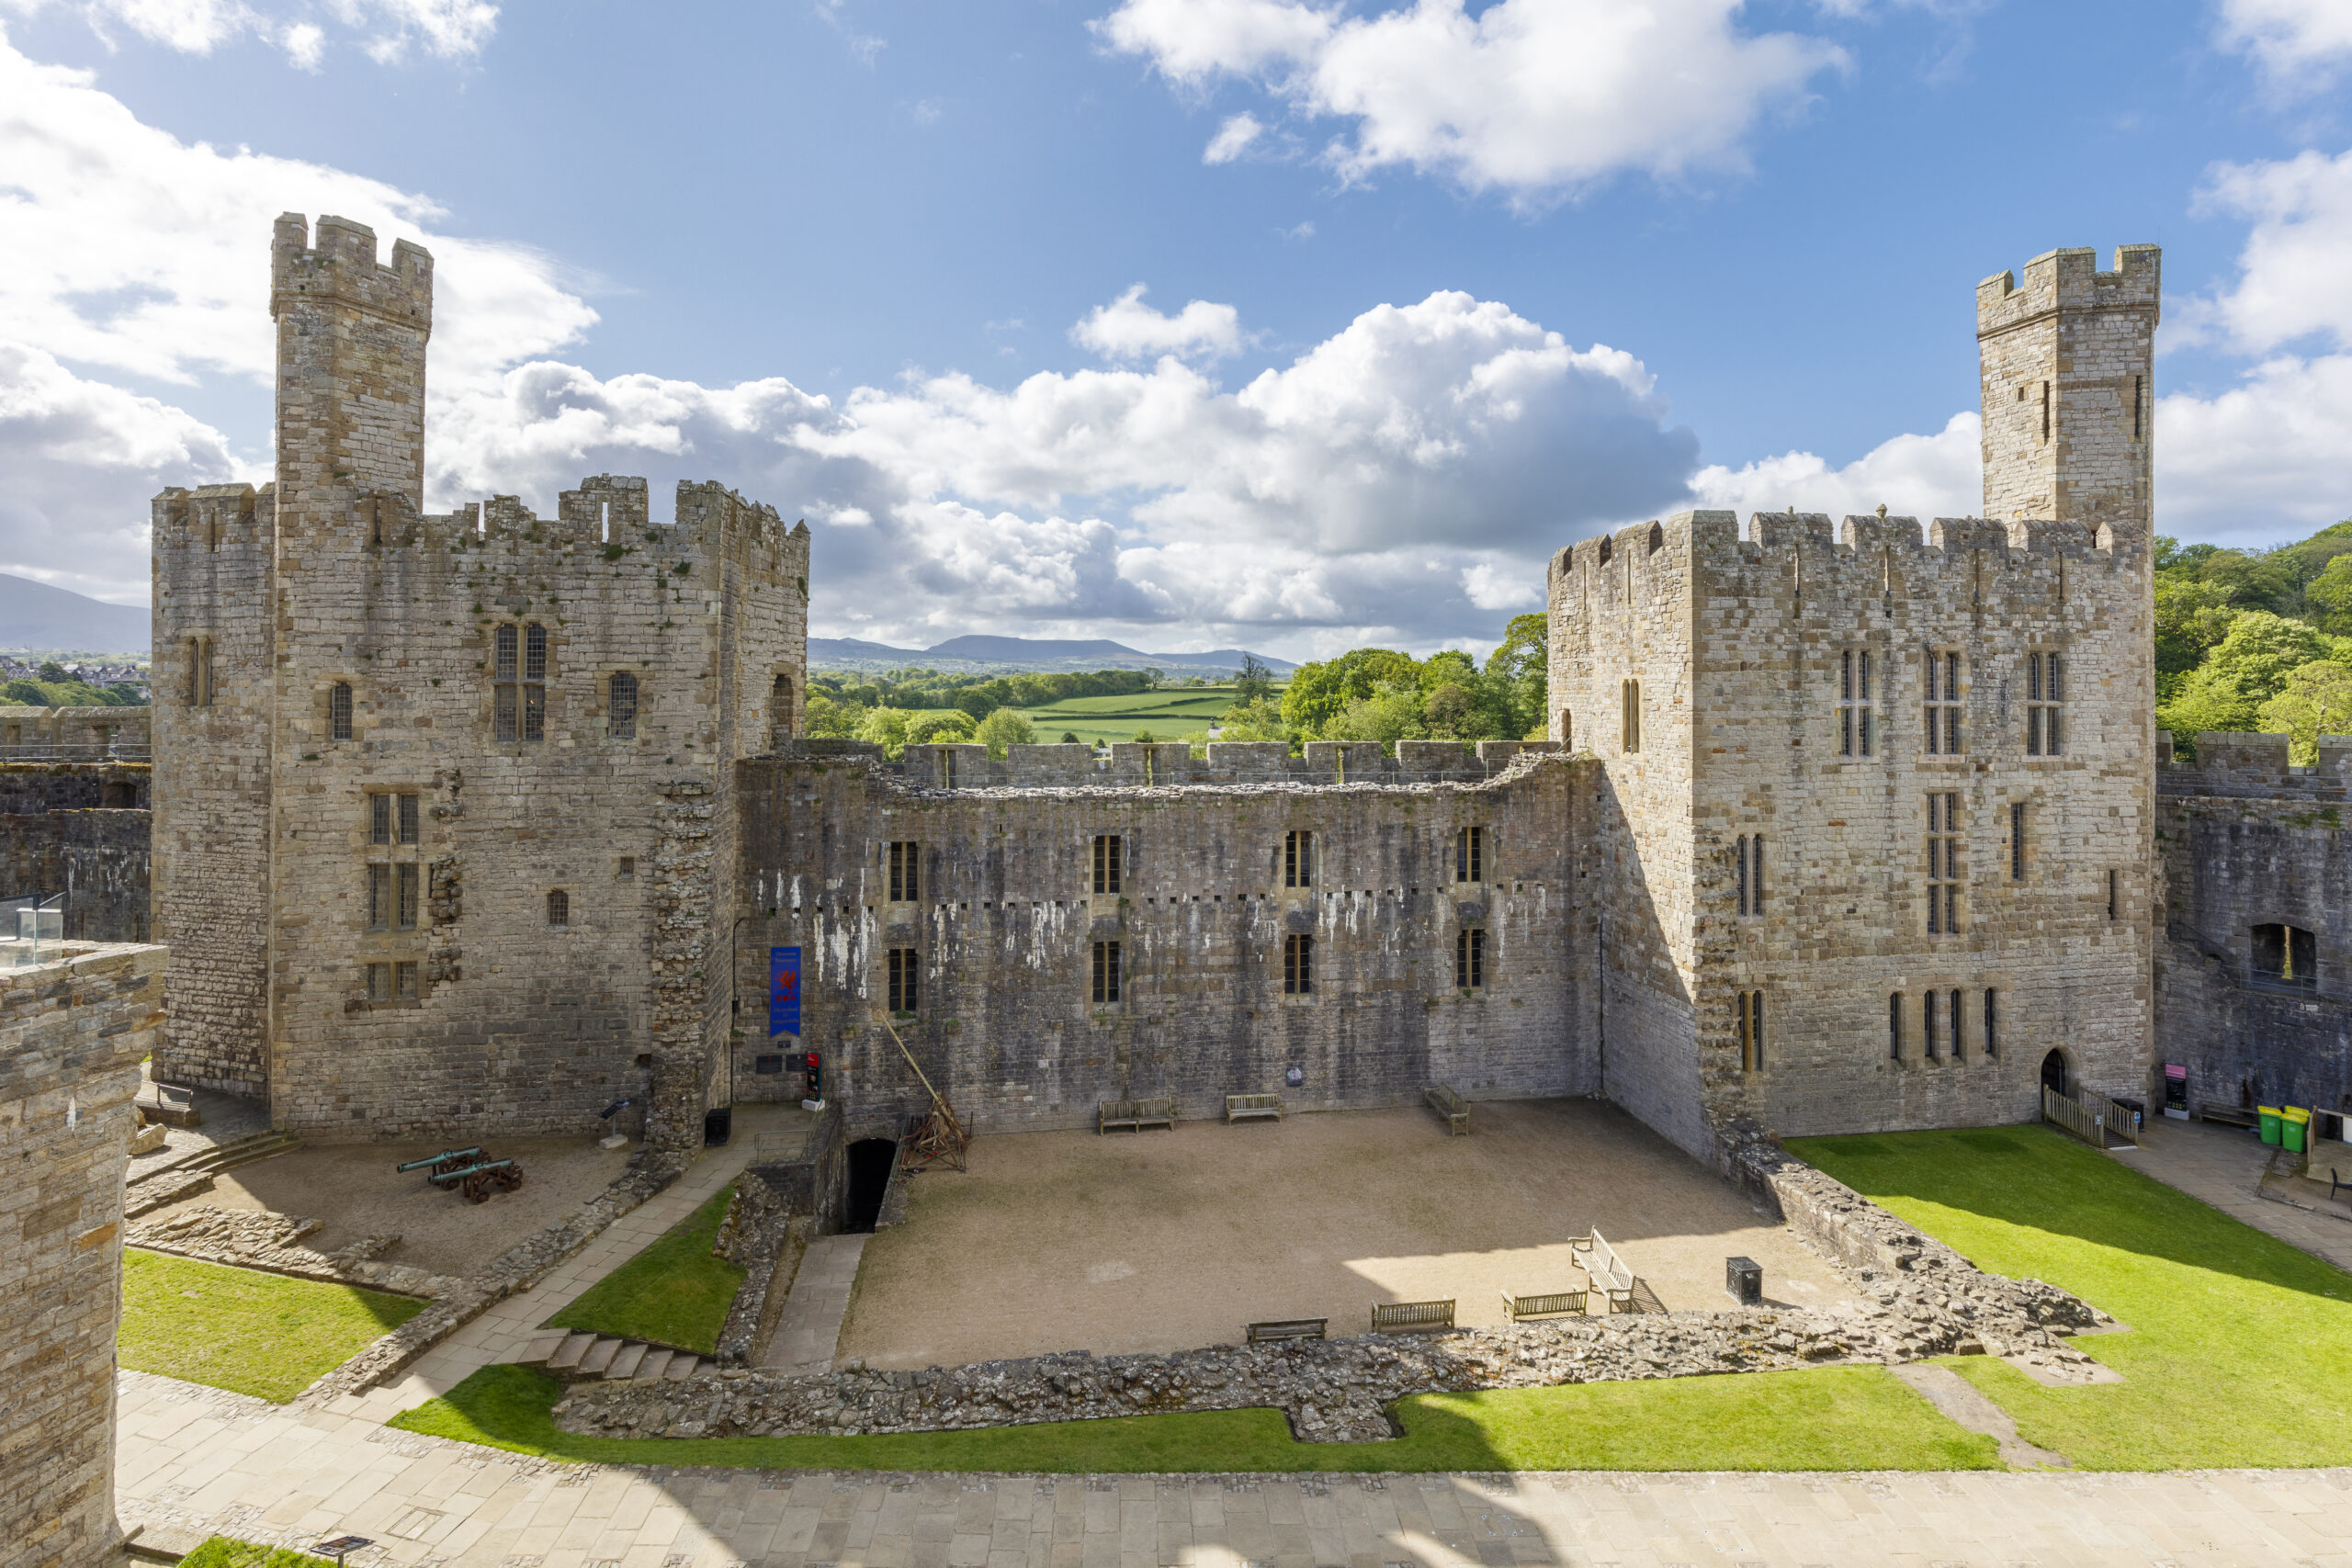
<point>1428,291</point>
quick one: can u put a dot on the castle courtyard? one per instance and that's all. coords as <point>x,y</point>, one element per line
<point>1160,1241</point>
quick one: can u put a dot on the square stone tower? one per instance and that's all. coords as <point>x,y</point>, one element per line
<point>1875,844</point>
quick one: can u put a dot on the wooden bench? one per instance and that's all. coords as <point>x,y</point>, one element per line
<point>1243,1107</point>
<point>1451,1106</point>
<point>1609,1275</point>
<point>2228,1115</point>
<point>1411,1317</point>
<point>1281,1328</point>
<point>1559,1303</point>
<point>1134,1115</point>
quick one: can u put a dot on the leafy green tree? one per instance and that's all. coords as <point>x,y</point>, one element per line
<point>1069,738</point>
<point>1451,713</point>
<point>939,727</point>
<point>1004,727</point>
<point>2329,594</point>
<point>1259,720</point>
<point>2262,649</point>
<point>2208,699</point>
<point>1145,736</point>
<point>2316,701</point>
<point>1255,684</point>
<point>2253,581</point>
<point>1317,692</point>
<point>1392,713</point>
<point>826,718</point>
<point>886,728</point>
<point>2191,617</point>
<point>1448,667</point>
<point>1517,669</point>
<point>24,693</point>
<point>51,669</point>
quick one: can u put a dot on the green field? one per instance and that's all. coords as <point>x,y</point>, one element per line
<point>243,1330</point>
<point>1170,715</point>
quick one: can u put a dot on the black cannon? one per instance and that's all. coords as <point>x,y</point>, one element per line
<point>447,1160</point>
<point>479,1181</point>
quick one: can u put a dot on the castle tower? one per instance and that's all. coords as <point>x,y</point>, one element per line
<point>2067,365</point>
<point>351,337</point>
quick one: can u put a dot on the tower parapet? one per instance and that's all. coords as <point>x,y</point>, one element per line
<point>351,337</point>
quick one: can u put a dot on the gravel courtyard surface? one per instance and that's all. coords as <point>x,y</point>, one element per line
<point>1158,1241</point>
<point>351,1190</point>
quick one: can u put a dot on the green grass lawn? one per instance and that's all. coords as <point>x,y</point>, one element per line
<point>674,1292</point>
<point>223,1552</point>
<point>1186,710</point>
<point>244,1330</point>
<point>2240,1346</point>
<point>1830,1418</point>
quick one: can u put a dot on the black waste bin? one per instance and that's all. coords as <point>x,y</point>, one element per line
<point>2139,1112</point>
<point>1744,1278</point>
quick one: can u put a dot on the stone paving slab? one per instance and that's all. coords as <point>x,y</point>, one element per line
<point>808,1332</point>
<point>2224,1166</point>
<point>211,1461</point>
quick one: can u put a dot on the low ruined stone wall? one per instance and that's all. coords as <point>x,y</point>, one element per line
<point>762,1236</point>
<point>272,1243</point>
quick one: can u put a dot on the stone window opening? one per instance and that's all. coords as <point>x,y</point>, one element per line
<point>1470,959</point>
<point>780,713</point>
<point>1943,864</point>
<point>1106,974</point>
<point>2286,958</point>
<point>1959,1047</point>
<point>2139,402</point>
<point>2045,414</point>
<point>199,672</point>
<point>1943,704</point>
<point>2017,840</point>
<point>339,711</point>
<point>1751,1031</point>
<point>2045,692</point>
<point>1630,696</point>
<point>1749,856</point>
<point>1298,965</point>
<point>392,818</point>
<point>559,909</point>
<point>1470,855</point>
<point>1109,851</point>
<point>1299,858</point>
<point>1992,1024</point>
<point>621,705</point>
<point>1854,703</point>
<point>629,868</point>
<point>905,976</point>
<point>1927,1025</point>
<point>2112,877</point>
<point>1895,1028</point>
<point>905,875</point>
<point>394,982</point>
<point>391,897</point>
<point>1568,731</point>
<point>519,683</point>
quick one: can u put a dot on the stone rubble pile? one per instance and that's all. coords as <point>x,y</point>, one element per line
<point>271,1242</point>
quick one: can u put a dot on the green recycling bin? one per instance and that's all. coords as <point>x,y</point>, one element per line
<point>2269,1114</point>
<point>2293,1123</point>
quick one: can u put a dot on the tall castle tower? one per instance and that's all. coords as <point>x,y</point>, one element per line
<point>2067,362</point>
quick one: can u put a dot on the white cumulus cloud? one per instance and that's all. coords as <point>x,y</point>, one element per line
<point>453,29</point>
<point>1232,139</point>
<point>1128,329</point>
<point>1913,475</point>
<point>2292,280</point>
<point>1534,97</point>
<point>2301,45</point>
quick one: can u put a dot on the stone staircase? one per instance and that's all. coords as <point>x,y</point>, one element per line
<point>577,1356</point>
<point>185,1177</point>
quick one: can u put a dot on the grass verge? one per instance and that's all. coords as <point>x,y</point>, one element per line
<point>1829,1418</point>
<point>2240,1346</point>
<point>674,1292</point>
<point>243,1330</point>
<point>223,1552</point>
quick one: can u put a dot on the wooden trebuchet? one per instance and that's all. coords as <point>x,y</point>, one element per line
<point>936,1134</point>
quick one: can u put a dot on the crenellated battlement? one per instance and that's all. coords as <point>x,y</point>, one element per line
<point>341,266</point>
<point>1714,541</point>
<point>2069,279</point>
<point>1135,765</point>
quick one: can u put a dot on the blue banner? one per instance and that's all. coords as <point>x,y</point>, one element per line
<point>784,990</point>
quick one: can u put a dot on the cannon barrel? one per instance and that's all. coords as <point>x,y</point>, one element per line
<point>436,1159</point>
<point>447,1176</point>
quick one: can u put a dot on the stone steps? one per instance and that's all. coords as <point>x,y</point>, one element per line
<point>577,1355</point>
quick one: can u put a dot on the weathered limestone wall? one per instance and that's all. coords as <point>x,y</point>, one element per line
<point>97,859</point>
<point>2248,841</point>
<point>72,1033</point>
<point>79,731</point>
<point>1006,922</point>
<point>28,788</point>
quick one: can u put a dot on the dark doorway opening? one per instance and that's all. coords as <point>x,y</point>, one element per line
<point>869,1174</point>
<point>2054,1071</point>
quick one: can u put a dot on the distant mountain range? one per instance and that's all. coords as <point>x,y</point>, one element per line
<point>36,617</point>
<point>1018,655</point>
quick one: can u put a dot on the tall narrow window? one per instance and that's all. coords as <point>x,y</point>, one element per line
<point>534,683</point>
<point>559,909</point>
<point>1748,856</point>
<point>1740,852</point>
<point>1854,703</point>
<point>380,981</point>
<point>2045,691</point>
<point>1630,696</point>
<point>2111,895</point>
<point>379,898</point>
<point>339,711</point>
<point>1470,959</point>
<point>905,887</point>
<point>391,819</point>
<point>1943,704</point>
<point>1470,855</point>
<point>2139,401</point>
<point>2017,840</point>
<point>406,825</point>
<point>1298,965</point>
<point>1943,864</point>
<point>1106,974</point>
<point>1568,731</point>
<point>1992,1024</point>
<point>2045,414</point>
<point>1959,1047</point>
<point>1298,859</point>
<point>1107,848</point>
<point>505,666</point>
<point>1895,1027</point>
<point>405,883</point>
<point>405,982</point>
<point>620,706</point>
<point>1751,1023</point>
<point>199,672</point>
<point>904,972</point>
<point>1927,1025</point>
<point>780,711</point>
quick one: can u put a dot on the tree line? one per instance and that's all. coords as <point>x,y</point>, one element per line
<point>2256,640</point>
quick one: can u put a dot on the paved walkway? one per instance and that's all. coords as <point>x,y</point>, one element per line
<point>809,1333</point>
<point>194,1459</point>
<point>2224,1166</point>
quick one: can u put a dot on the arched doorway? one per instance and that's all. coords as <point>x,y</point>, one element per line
<point>869,1175</point>
<point>2054,1071</point>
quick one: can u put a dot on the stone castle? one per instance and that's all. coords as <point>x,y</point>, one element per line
<point>480,822</point>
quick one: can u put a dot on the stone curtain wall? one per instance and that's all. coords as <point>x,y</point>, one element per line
<point>94,730</point>
<point>72,1033</point>
<point>2089,337</point>
<point>31,788</point>
<point>1007,920</point>
<point>2248,841</point>
<point>97,859</point>
<point>214,567</point>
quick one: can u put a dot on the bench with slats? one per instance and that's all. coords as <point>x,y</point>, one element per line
<point>1244,1107</point>
<point>1451,1106</point>
<point>1609,1275</point>
<point>1279,1328</point>
<point>2228,1115</point>
<point>1411,1317</point>
<point>1557,1303</point>
<point>1134,1115</point>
